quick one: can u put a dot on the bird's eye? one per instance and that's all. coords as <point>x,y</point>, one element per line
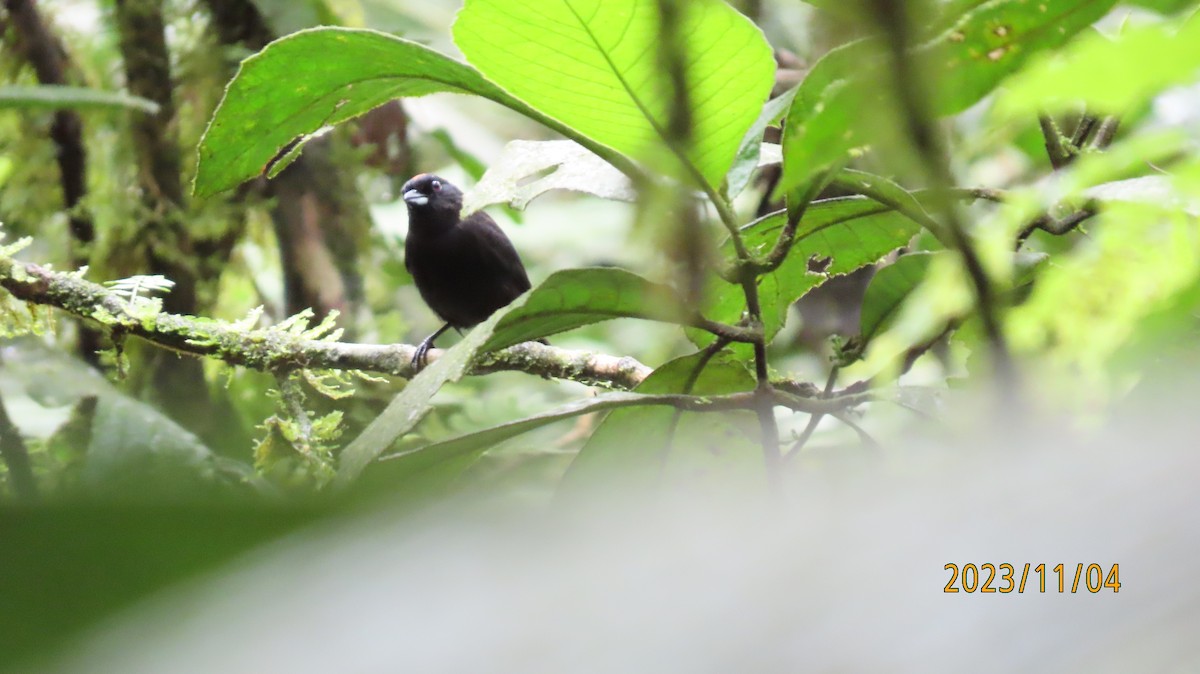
<point>437,186</point>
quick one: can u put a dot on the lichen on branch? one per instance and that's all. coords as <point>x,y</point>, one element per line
<point>284,348</point>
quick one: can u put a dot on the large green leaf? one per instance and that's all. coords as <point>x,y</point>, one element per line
<point>314,78</point>
<point>593,65</point>
<point>847,100</point>
<point>573,298</point>
<point>640,445</point>
<point>835,237</point>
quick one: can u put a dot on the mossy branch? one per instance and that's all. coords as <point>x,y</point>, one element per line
<point>277,349</point>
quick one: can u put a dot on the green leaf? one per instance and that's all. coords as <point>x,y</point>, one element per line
<point>320,77</point>
<point>747,159</point>
<point>55,96</point>
<point>847,100</point>
<point>407,408</point>
<point>884,191</point>
<point>448,458</point>
<point>835,237</point>
<point>593,65</point>
<point>574,298</point>
<point>632,444</point>
<point>888,290</point>
<point>969,59</point>
<point>1110,75</point>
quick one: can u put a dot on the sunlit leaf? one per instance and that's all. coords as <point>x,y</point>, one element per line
<point>1164,6</point>
<point>593,65</point>
<point>321,77</point>
<point>1137,259</point>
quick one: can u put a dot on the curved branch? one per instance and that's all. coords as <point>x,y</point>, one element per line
<point>275,350</point>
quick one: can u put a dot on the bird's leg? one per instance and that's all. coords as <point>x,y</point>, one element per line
<point>426,344</point>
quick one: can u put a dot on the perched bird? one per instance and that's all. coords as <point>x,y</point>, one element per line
<point>464,268</point>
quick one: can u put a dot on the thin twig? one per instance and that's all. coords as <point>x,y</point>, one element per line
<point>813,419</point>
<point>764,393</point>
<point>1083,130</point>
<point>1105,133</point>
<point>924,136</point>
<point>732,333</point>
<point>1058,226</point>
<point>863,436</point>
<point>1060,153</point>
<point>707,355</point>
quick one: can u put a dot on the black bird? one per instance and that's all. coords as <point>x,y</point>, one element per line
<point>464,268</point>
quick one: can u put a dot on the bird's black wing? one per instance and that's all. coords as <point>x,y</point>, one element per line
<point>498,259</point>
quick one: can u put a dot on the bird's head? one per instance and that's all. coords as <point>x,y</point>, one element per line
<point>429,194</point>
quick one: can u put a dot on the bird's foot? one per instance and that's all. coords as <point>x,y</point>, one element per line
<point>421,357</point>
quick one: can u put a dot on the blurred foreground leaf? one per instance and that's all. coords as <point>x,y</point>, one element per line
<point>846,101</point>
<point>66,567</point>
<point>1110,75</point>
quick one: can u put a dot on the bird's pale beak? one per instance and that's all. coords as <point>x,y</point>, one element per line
<point>415,198</point>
